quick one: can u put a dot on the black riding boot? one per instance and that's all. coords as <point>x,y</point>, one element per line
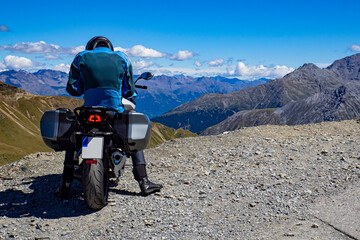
<point>63,190</point>
<point>146,186</point>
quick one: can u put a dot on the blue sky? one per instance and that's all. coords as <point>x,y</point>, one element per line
<point>245,39</point>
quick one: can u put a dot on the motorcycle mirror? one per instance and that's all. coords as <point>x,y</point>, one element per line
<point>146,75</point>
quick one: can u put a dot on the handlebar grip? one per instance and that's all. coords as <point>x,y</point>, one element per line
<point>141,86</point>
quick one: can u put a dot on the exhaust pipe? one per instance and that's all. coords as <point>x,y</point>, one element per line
<point>117,156</point>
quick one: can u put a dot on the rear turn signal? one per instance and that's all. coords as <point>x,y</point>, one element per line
<point>94,119</point>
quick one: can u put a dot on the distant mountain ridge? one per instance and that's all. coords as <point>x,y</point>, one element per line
<point>163,94</point>
<point>302,83</point>
<point>42,82</point>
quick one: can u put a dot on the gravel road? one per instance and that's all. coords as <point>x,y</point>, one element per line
<point>253,183</point>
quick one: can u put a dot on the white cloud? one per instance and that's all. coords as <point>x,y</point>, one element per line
<point>62,67</point>
<point>120,49</point>
<point>144,52</point>
<point>15,62</point>
<point>51,51</point>
<point>41,47</point>
<point>4,28</point>
<point>355,48</point>
<point>241,70</point>
<point>170,70</point>
<point>141,64</point>
<point>230,71</point>
<point>73,50</point>
<point>2,67</point>
<point>31,47</point>
<point>182,55</point>
<point>253,72</point>
<point>141,51</point>
<point>216,63</point>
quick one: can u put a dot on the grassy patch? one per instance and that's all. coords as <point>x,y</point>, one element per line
<point>161,133</point>
<point>9,158</point>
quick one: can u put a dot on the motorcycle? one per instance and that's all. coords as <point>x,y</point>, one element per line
<point>103,139</point>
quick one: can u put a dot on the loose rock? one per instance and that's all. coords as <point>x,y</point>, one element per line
<point>254,183</point>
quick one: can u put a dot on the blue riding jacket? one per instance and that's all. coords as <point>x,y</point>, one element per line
<point>103,76</point>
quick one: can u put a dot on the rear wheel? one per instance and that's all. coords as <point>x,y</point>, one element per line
<point>96,183</point>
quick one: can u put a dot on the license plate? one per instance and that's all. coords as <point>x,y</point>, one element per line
<point>92,147</point>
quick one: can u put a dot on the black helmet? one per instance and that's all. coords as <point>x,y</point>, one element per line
<point>99,41</point>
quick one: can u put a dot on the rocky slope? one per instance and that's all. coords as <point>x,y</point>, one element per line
<point>347,68</point>
<point>343,103</point>
<point>253,183</point>
<point>304,82</point>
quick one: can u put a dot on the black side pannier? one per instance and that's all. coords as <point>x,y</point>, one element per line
<point>57,128</point>
<point>135,129</point>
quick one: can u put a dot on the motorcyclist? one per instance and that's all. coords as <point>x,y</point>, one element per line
<point>104,76</point>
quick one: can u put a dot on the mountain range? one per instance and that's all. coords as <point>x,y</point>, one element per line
<point>42,82</point>
<point>163,94</point>
<point>308,94</point>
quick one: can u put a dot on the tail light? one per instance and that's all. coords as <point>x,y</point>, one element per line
<point>91,161</point>
<point>94,118</point>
